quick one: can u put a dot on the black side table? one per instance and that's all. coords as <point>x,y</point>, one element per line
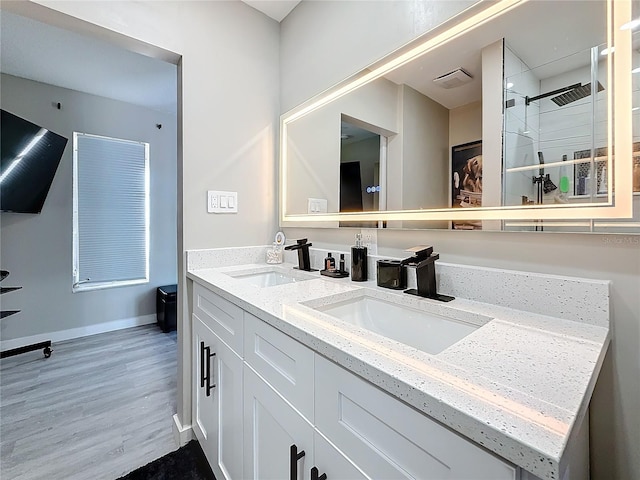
<point>46,346</point>
<point>166,307</point>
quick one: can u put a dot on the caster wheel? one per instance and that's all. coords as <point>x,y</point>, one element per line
<point>47,352</point>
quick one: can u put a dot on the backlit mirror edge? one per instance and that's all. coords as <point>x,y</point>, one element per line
<point>619,101</point>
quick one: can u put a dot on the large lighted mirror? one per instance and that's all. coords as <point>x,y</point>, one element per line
<point>499,119</point>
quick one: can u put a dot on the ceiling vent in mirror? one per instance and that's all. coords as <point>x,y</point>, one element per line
<point>453,79</point>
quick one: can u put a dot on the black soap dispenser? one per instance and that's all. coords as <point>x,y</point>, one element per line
<point>359,261</point>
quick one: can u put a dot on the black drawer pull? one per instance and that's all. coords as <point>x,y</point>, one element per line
<point>205,368</point>
<point>210,386</point>
<point>294,456</point>
<point>314,475</point>
<point>202,377</point>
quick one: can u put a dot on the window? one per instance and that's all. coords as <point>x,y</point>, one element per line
<point>110,212</point>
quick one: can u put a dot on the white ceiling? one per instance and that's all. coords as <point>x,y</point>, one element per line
<point>40,52</point>
<point>276,9</point>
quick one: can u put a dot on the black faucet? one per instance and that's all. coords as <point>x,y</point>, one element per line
<point>424,261</point>
<point>304,263</point>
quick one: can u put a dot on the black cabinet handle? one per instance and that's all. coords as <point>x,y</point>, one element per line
<point>294,456</point>
<point>202,377</point>
<point>205,368</point>
<point>210,386</point>
<point>314,475</point>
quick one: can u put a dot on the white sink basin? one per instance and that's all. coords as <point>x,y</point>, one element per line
<point>423,330</point>
<point>270,277</point>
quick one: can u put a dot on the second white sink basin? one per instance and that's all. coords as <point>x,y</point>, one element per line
<point>270,276</point>
<point>423,330</point>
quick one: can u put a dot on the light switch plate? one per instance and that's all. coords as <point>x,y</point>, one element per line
<point>370,240</point>
<point>316,205</point>
<point>222,202</point>
<point>212,201</point>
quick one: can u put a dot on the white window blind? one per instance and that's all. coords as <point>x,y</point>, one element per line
<point>110,212</point>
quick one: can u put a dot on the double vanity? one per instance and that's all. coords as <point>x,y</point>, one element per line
<point>301,376</point>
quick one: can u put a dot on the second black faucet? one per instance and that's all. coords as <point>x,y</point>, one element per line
<point>424,261</point>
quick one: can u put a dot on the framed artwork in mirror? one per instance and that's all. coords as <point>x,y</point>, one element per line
<point>466,181</point>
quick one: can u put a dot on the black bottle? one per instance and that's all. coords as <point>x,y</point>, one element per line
<point>359,261</point>
<point>342,266</point>
<point>329,263</point>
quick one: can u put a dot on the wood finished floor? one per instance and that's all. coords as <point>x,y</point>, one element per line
<point>98,408</point>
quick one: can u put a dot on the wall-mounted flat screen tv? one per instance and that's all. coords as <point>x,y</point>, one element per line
<point>30,158</point>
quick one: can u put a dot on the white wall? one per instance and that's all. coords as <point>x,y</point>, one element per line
<point>312,63</point>
<point>492,120</point>
<point>417,161</point>
<point>465,124</point>
<point>425,151</point>
<point>37,249</point>
<point>313,142</point>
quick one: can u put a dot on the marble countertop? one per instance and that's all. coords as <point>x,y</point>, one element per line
<point>519,385</point>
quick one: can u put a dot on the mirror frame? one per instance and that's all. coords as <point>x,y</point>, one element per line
<point>618,101</point>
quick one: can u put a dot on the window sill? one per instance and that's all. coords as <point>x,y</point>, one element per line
<point>84,287</point>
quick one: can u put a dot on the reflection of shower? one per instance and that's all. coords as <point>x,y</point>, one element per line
<point>543,180</point>
<point>567,95</point>
<point>543,183</point>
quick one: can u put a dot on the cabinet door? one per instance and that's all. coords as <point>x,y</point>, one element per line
<point>388,439</point>
<point>334,464</point>
<point>204,413</point>
<point>218,402</point>
<point>272,427</point>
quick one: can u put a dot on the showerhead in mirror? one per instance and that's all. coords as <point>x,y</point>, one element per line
<point>576,93</point>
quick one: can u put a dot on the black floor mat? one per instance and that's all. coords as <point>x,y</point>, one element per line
<point>186,463</point>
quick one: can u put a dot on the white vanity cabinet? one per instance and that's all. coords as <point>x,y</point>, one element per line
<point>217,383</point>
<point>285,399</point>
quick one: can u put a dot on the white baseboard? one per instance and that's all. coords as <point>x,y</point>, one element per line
<point>181,434</point>
<point>85,331</point>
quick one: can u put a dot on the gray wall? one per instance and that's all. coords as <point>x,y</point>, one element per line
<point>37,249</point>
<point>379,28</point>
<point>425,152</point>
